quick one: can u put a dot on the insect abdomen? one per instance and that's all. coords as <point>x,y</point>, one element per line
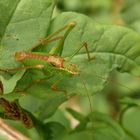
<point>52,59</point>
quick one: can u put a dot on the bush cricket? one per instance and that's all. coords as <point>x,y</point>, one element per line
<point>50,63</point>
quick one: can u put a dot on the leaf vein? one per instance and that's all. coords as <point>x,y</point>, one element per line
<point>119,40</point>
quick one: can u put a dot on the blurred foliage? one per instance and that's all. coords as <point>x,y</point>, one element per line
<point>106,11</point>
<point>130,14</point>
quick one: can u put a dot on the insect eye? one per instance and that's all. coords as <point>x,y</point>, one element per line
<point>20,55</point>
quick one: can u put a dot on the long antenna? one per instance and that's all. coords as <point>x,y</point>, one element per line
<point>87,93</point>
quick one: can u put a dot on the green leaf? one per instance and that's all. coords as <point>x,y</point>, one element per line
<point>7,9</point>
<point>130,84</point>
<point>55,131</point>
<point>9,84</point>
<point>78,116</point>
<point>61,117</point>
<point>99,126</point>
<point>42,107</point>
<point>23,23</point>
<point>130,101</point>
<point>39,99</point>
<point>131,122</point>
<point>28,22</point>
<point>100,117</point>
<point>101,135</point>
<point>120,51</point>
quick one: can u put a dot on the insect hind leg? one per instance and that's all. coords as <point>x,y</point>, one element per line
<point>50,38</point>
<point>84,44</point>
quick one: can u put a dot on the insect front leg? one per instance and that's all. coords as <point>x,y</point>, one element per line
<point>87,51</point>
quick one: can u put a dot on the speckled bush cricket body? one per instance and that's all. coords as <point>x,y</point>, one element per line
<point>51,63</point>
